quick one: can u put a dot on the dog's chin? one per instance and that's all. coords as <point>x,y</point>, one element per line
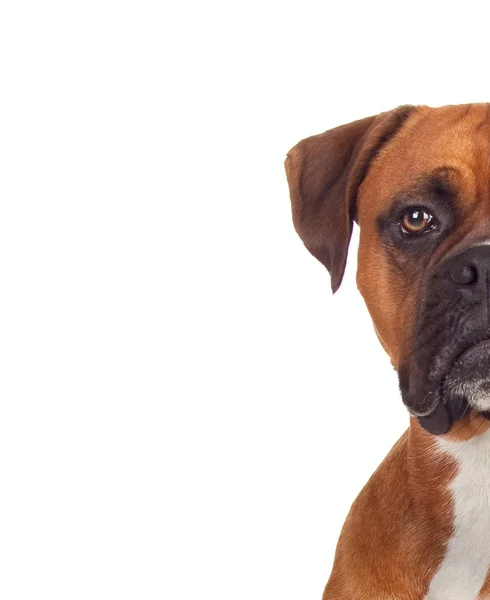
<point>469,378</point>
<point>465,387</point>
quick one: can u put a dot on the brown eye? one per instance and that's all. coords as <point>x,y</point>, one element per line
<point>416,220</point>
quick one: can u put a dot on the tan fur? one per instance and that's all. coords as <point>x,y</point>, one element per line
<point>431,139</point>
<point>384,540</point>
<point>485,591</point>
<point>397,531</point>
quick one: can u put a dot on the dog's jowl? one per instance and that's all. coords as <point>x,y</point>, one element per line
<point>417,181</point>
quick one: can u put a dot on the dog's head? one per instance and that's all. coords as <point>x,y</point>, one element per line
<point>417,181</point>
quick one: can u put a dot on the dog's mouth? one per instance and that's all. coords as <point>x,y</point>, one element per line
<point>469,377</point>
<point>465,386</point>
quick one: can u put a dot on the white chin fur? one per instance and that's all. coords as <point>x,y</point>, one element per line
<point>477,393</point>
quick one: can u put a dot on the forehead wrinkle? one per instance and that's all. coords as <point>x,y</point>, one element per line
<point>435,183</point>
<point>443,178</point>
<point>484,119</point>
<point>454,138</point>
<point>467,111</point>
<point>441,119</point>
<point>481,163</point>
<point>450,130</point>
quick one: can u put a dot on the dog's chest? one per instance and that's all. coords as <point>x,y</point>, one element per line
<point>463,572</point>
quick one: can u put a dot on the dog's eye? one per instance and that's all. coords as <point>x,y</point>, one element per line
<point>415,221</point>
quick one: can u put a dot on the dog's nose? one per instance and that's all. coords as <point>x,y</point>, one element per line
<point>471,268</point>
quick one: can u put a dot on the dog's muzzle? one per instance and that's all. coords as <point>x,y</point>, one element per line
<point>449,368</point>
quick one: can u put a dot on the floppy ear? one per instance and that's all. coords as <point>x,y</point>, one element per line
<point>324,173</point>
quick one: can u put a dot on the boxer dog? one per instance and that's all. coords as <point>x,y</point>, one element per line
<point>417,181</point>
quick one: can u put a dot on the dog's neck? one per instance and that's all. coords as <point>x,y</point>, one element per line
<point>453,472</point>
<point>435,463</point>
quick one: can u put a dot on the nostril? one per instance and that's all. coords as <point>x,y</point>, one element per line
<point>464,274</point>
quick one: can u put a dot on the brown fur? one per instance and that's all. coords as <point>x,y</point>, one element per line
<point>485,591</point>
<point>396,534</point>
<point>431,139</point>
<point>384,540</point>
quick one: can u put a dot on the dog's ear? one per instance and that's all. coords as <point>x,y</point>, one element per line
<point>324,173</point>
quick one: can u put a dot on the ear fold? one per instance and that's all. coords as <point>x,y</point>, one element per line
<point>324,173</point>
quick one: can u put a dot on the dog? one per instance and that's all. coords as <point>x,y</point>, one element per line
<point>417,182</point>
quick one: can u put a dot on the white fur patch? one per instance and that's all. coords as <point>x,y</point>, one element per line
<point>476,392</point>
<point>465,565</point>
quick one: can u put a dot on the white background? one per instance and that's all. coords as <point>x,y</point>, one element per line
<point>185,410</point>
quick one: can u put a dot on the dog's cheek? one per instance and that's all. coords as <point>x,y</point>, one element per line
<point>387,299</point>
